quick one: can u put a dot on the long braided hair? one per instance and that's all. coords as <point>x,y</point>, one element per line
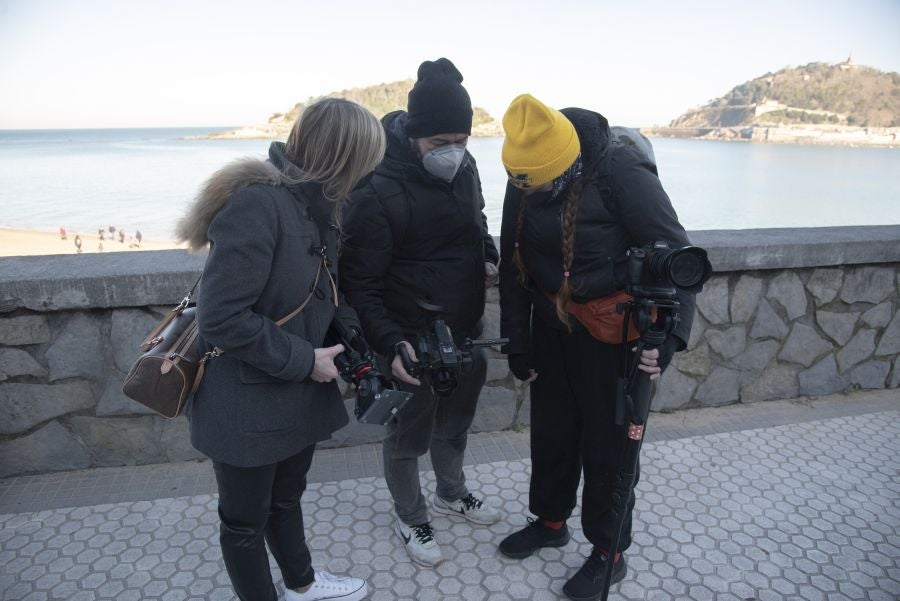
<point>570,212</point>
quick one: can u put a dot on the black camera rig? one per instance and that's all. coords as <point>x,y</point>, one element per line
<point>655,274</point>
<point>438,356</point>
<point>378,398</point>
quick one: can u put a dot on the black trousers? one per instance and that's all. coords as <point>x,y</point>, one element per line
<point>259,505</point>
<point>573,430</point>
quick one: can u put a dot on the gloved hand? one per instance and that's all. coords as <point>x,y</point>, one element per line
<point>667,352</point>
<point>520,365</point>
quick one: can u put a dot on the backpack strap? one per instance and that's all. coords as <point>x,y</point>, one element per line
<point>603,176</point>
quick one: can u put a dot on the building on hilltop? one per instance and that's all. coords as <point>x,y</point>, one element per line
<point>848,64</point>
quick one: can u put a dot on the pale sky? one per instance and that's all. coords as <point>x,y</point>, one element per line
<point>92,63</point>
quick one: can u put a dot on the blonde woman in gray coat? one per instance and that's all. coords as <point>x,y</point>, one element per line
<point>272,228</point>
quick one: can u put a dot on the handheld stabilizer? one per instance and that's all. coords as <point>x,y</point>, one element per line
<point>655,273</point>
<point>378,398</point>
<point>440,359</point>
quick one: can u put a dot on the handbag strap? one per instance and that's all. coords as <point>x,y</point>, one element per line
<point>315,285</point>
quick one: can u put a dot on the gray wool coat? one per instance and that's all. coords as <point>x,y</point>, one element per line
<point>256,404</point>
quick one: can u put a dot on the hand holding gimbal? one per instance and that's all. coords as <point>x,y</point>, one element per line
<point>378,398</point>
<point>440,359</point>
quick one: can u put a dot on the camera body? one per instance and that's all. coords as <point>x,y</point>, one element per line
<point>439,358</point>
<point>656,271</point>
<point>378,398</point>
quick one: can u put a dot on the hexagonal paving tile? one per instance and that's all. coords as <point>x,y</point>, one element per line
<point>805,511</point>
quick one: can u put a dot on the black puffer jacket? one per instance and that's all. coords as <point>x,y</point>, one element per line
<point>409,235</point>
<point>624,208</point>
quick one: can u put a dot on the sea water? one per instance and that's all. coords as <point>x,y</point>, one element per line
<point>143,179</point>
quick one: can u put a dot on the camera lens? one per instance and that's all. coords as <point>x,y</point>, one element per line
<point>686,270</point>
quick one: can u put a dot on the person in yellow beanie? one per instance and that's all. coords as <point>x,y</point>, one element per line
<point>576,200</point>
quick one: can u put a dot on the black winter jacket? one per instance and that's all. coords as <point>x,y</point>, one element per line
<point>409,235</point>
<point>624,208</point>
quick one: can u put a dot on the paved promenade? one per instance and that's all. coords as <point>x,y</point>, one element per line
<point>778,500</point>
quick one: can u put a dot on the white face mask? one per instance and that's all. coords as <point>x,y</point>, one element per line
<point>444,162</point>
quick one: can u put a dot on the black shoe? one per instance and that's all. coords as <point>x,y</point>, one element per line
<point>532,537</point>
<point>587,583</point>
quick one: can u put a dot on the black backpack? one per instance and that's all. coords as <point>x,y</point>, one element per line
<point>621,136</point>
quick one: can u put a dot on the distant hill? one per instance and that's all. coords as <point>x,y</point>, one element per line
<point>818,93</point>
<point>381,99</point>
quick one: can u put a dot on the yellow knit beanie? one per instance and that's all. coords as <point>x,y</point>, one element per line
<point>540,142</point>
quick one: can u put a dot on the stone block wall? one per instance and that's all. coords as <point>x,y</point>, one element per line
<point>778,334</point>
<point>787,313</point>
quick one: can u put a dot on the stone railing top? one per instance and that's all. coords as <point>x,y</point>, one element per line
<point>793,248</point>
<point>135,279</point>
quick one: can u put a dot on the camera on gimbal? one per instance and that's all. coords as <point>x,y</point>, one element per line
<point>440,359</point>
<point>378,398</point>
<point>655,270</point>
<point>655,273</point>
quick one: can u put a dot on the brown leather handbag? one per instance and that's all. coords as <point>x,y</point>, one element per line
<point>170,367</point>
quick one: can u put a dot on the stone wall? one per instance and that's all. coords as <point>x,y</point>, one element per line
<point>787,313</point>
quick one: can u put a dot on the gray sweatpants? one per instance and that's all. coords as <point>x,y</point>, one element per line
<point>437,424</point>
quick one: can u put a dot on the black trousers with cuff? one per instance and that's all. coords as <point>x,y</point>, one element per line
<point>573,430</point>
<point>259,505</point>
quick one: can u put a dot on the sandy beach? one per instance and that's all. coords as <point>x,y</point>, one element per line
<point>17,243</point>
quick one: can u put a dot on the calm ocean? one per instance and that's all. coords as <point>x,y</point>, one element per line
<point>144,178</point>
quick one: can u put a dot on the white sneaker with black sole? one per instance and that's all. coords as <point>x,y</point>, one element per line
<point>469,507</point>
<point>420,543</point>
<point>328,587</point>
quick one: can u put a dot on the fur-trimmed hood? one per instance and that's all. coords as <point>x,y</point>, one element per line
<point>194,225</point>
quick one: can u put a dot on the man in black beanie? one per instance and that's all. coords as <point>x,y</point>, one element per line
<point>416,231</point>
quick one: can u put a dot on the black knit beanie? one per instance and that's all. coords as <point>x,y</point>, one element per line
<point>438,104</point>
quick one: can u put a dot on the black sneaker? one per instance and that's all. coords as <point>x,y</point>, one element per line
<point>532,537</point>
<point>587,583</point>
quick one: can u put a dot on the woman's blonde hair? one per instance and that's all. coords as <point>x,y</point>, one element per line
<point>335,142</point>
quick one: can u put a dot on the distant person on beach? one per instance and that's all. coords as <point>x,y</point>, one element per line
<point>62,233</point>
<point>121,237</point>
<point>100,234</point>
<point>138,236</point>
<point>575,203</point>
<point>112,229</point>
<point>415,231</point>
<point>77,243</point>
<point>264,403</point>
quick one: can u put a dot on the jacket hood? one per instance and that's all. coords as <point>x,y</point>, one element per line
<point>593,133</point>
<point>221,185</point>
<point>224,183</point>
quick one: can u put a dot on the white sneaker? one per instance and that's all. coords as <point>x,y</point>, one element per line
<point>469,507</point>
<point>420,543</point>
<point>329,586</point>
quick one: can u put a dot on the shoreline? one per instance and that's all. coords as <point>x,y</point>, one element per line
<point>25,243</point>
<point>825,135</point>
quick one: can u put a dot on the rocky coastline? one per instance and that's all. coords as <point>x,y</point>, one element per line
<point>826,135</point>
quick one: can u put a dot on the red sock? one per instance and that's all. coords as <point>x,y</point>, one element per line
<point>606,554</point>
<point>552,525</point>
